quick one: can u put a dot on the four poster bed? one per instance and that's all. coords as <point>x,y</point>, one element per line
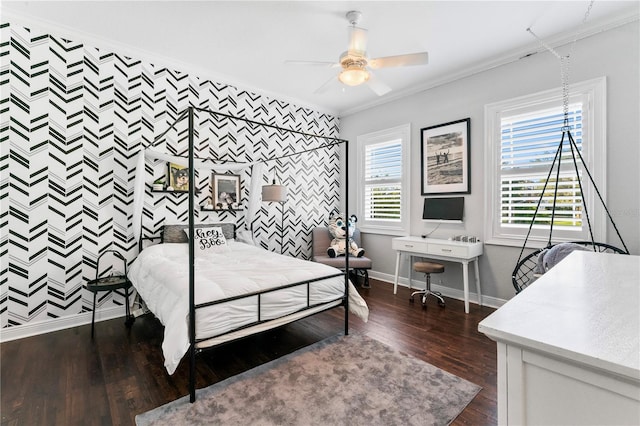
<point>214,289</point>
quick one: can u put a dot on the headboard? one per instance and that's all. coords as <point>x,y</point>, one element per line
<point>177,234</point>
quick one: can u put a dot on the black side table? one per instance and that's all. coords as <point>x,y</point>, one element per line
<point>112,282</point>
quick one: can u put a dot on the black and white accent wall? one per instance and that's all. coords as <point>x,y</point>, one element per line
<point>74,117</point>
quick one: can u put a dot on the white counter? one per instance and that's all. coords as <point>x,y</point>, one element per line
<point>569,344</point>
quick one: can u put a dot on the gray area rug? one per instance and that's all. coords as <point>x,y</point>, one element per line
<point>343,380</point>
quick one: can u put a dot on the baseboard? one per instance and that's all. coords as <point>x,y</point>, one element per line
<point>453,293</point>
<point>27,330</point>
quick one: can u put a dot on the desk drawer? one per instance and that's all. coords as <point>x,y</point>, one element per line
<point>415,246</point>
<point>448,250</point>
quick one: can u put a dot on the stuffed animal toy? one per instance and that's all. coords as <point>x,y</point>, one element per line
<point>342,231</point>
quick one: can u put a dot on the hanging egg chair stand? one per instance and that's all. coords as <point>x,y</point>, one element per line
<point>525,271</point>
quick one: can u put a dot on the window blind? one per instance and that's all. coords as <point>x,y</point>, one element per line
<point>529,143</point>
<point>383,181</point>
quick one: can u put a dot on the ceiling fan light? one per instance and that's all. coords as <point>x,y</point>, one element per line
<point>353,76</point>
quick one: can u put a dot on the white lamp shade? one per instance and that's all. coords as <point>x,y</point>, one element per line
<point>274,193</point>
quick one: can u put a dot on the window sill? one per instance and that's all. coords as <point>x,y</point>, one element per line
<point>382,231</point>
<point>532,242</point>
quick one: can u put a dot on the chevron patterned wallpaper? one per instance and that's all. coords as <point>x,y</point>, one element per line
<point>73,119</point>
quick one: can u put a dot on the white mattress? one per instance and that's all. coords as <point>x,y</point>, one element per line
<point>160,275</point>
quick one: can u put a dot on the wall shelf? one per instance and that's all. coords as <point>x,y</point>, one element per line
<point>219,210</point>
<point>164,191</point>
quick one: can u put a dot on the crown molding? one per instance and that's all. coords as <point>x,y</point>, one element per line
<point>509,57</point>
<point>123,49</point>
<point>128,50</point>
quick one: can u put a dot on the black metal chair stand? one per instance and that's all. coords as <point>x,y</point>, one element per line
<point>110,283</point>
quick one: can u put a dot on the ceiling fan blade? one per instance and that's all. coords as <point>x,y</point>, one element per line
<point>421,58</point>
<point>375,84</point>
<point>314,63</point>
<point>357,41</point>
<point>326,85</point>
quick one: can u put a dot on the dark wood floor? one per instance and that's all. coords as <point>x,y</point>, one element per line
<point>65,378</point>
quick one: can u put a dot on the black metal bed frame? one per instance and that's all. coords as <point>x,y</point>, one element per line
<point>193,349</point>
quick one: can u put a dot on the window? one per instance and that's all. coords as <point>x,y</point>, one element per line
<point>523,137</point>
<point>383,181</point>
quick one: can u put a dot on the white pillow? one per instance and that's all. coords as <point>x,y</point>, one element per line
<point>245,237</point>
<point>209,240</point>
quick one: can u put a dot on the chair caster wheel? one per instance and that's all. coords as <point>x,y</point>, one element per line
<point>411,300</point>
<point>441,304</point>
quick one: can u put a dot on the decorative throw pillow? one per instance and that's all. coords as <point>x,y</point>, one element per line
<point>208,240</point>
<point>179,233</point>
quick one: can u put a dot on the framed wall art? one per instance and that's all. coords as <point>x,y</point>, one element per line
<point>445,158</point>
<point>225,191</point>
<point>178,177</point>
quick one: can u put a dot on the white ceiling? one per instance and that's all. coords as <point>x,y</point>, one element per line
<point>246,43</point>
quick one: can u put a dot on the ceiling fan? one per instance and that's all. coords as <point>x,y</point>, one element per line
<point>356,65</point>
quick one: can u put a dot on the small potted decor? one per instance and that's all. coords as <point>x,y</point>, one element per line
<point>158,184</point>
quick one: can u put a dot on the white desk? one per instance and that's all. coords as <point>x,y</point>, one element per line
<point>432,248</point>
<point>569,344</point>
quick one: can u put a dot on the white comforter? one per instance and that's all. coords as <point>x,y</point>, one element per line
<point>160,275</point>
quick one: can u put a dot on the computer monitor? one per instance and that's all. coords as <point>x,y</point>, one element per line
<point>447,209</point>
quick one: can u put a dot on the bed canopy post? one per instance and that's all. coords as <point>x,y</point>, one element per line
<point>346,252</point>
<point>192,309</point>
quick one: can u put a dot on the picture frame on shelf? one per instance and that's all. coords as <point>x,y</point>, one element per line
<point>178,177</point>
<point>445,161</point>
<point>225,194</point>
